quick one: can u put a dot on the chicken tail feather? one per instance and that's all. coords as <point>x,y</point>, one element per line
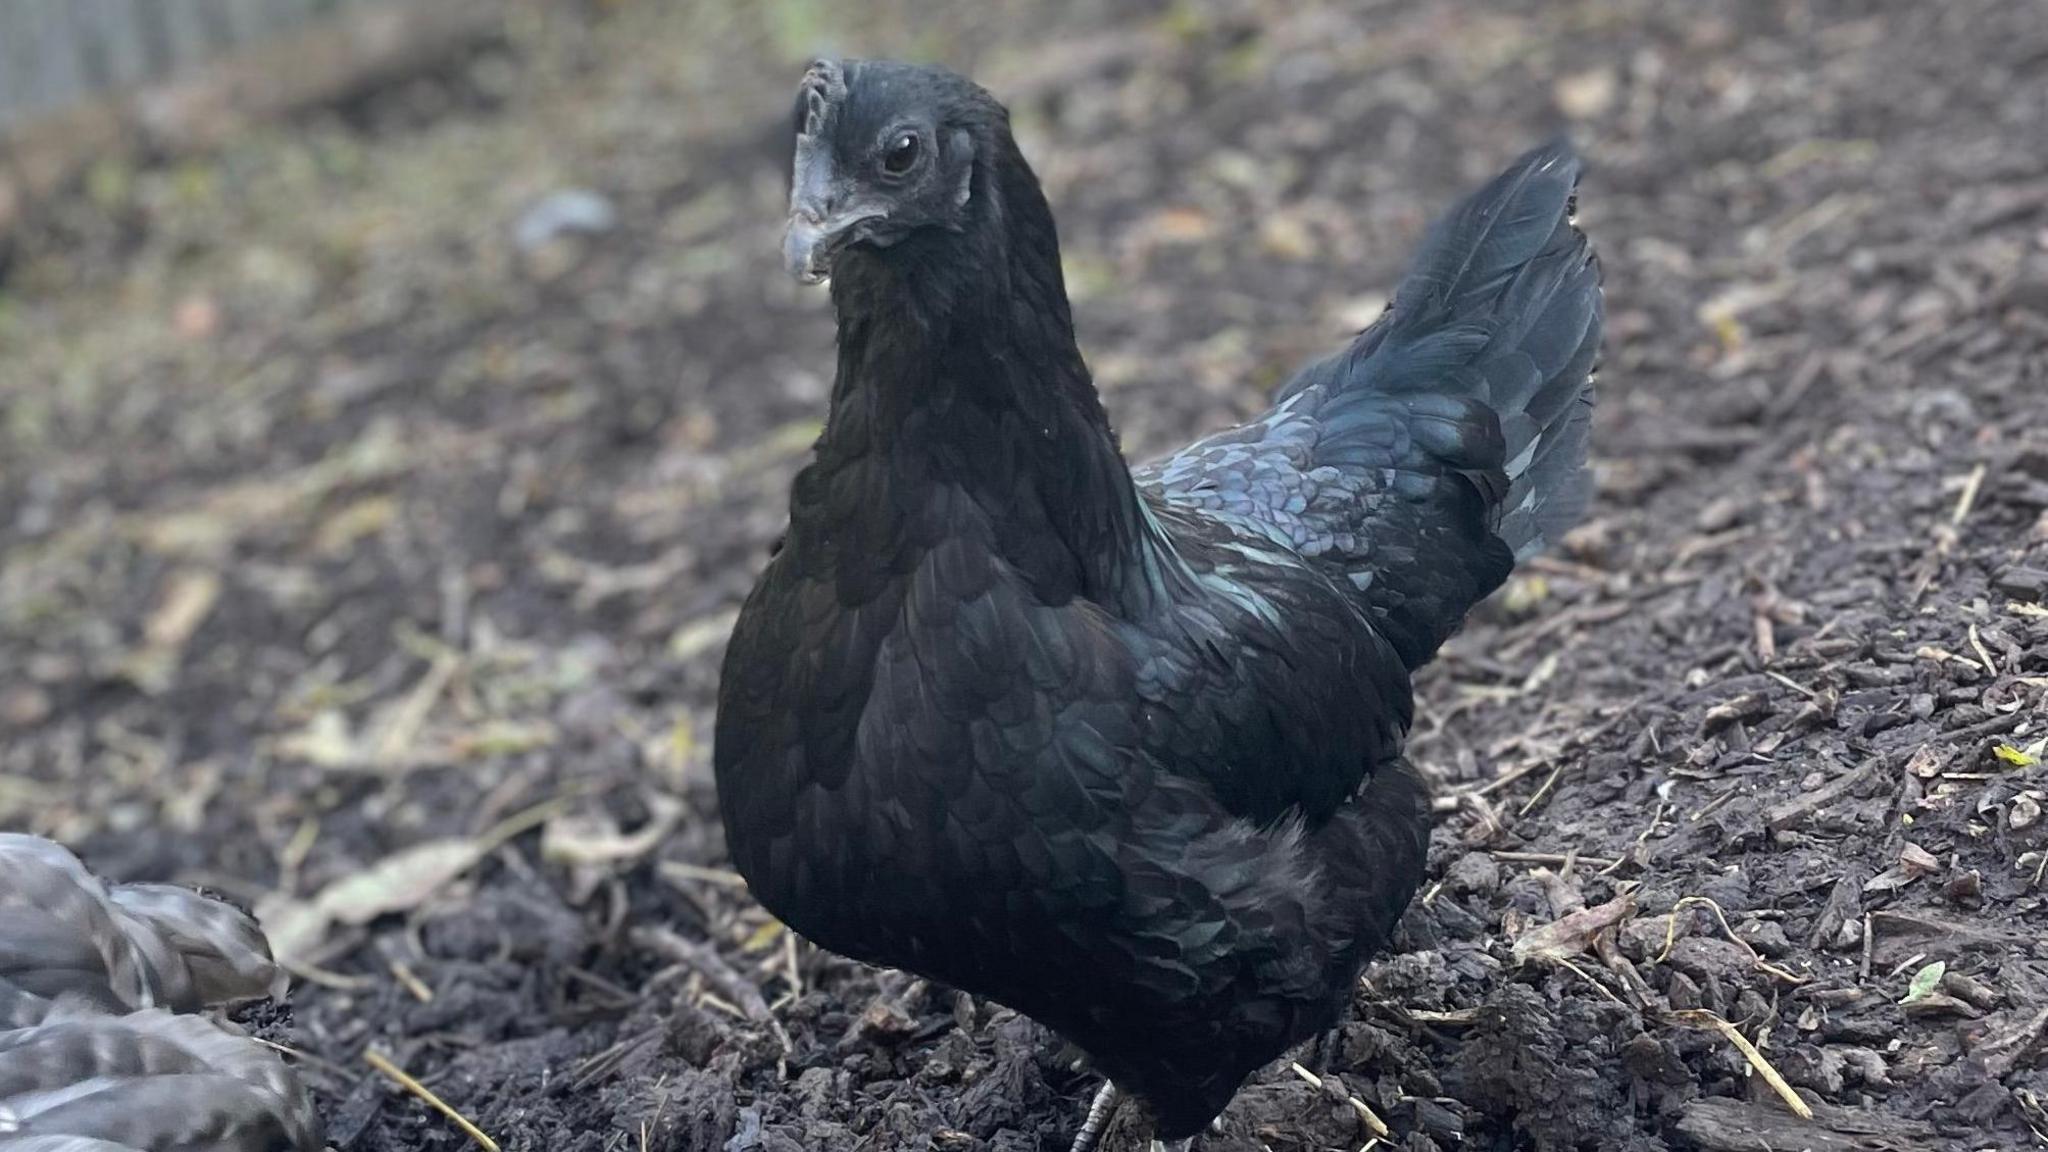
<point>1462,414</point>
<point>1502,305</point>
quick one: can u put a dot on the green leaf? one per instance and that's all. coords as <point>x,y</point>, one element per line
<point>2015,756</point>
<point>1924,981</point>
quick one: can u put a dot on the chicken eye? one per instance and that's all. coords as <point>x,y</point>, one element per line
<point>901,154</point>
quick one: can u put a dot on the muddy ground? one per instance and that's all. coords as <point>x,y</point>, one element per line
<point>372,566</point>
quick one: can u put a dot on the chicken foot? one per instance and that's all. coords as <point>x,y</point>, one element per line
<point>1100,1110</point>
<point>1103,1107</point>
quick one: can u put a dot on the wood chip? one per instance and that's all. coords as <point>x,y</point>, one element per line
<point>1791,812</point>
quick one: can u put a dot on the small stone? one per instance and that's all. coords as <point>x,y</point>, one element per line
<point>1720,515</point>
<point>1654,1060</point>
<point>1473,872</point>
<point>1287,236</point>
<point>2022,583</point>
<point>1940,1004</point>
<point>1869,1066</point>
<point>1927,762</point>
<point>24,706</point>
<point>1585,95</point>
<point>1767,937</point>
<point>1709,957</point>
<point>1817,1068</point>
<point>2024,813</point>
<point>197,317</point>
<point>1971,989</point>
<point>886,1022</point>
<point>1748,707</point>
<point>1683,992</point>
<point>569,212</point>
<point>1966,889</point>
<point>1850,935</point>
<point>1913,858</point>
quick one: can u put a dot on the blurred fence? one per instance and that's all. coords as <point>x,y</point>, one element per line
<point>55,52</point>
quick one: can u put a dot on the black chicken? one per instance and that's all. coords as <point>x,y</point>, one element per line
<point>1123,750</point>
<point>98,1051</point>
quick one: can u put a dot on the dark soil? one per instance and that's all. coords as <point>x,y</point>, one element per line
<point>335,524</point>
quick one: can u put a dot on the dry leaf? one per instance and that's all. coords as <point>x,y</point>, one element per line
<point>763,938</point>
<point>400,882</point>
<point>1925,981</point>
<point>188,599</point>
<point>325,742</point>
<point>593,838</point>
<point>1570,935</point>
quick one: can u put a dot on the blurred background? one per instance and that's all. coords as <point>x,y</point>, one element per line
<point>397,398</point>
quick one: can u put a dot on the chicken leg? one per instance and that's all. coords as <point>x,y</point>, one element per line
<point>1103,1107</point>
<point>1100,1110</point>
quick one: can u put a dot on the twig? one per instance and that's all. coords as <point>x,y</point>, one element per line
<point>1983,653</point>
<point>1551,859</point>
<point>676,871</point>
<point>660,1106</point>
<point>394,742</point>
<point>1366,1116</point>
<point>1968,499</point>
<point>1603,989</point>
<point>1794,685</point>
<point>706,962</point>
<point>1716,804</point>
<point>1698,546</point>
<point>398,1076</point>
<point>1642,838</point>
<point>1703,1018</point>
<point>325,977</point>
<point>412,982</point>
<point>1490,822</point>
<point>1755,957</point>
<point>1501,781</point>
<point>340,1074</point>
<point>713,1000</point>
<point>1543,791</point>
<point>796,975</point>
<point>1899,969</point>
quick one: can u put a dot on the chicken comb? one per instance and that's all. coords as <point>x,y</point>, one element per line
<point>823,87</point>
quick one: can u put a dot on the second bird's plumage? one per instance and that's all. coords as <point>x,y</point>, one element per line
<point>1123,749</point>
<point>103,1044</point>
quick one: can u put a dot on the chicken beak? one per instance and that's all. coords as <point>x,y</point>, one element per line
<point>807,245</point>
<point>811,239</point>
<point>823,213</point>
